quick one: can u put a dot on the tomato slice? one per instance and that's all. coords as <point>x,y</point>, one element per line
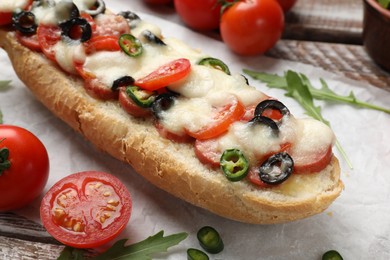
<point>254,178</point>
<point>207,152</point>
<point>102,43</point>
<point>48,36</point>
<point>311,162</point>
<point>86,209</point>
<point>5,18</point>
<point>99,90</point>
<point>130,106</point>
<point>223,118</point>
<point>29,41</point>
<point>165,75</point>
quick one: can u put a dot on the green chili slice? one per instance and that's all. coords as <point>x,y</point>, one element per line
<point>143,98</point>
<point>215,63</point>
<point>332,255</point>
<point>210,240</point>
<point>196,254</point>
<point>234,164</point>
<point>130,45</point>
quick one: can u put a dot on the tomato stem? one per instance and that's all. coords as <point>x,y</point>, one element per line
<point>4,162</point>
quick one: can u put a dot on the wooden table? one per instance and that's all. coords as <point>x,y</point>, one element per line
<point>326,34</point>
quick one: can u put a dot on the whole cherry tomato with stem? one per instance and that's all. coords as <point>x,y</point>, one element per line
<point>24,167</point>
<point>251,27</point>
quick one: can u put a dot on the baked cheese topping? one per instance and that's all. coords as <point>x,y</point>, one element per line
<point>11,5</point>
<point>201,94</point>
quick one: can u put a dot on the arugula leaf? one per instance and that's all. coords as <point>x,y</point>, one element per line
<point>70,253</point>
<point>324,93</point>
<point>142,250</point>
<point>384,3</point>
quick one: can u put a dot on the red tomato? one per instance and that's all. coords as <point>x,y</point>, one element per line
<point>6,17</point>
<point>200,14</point>
<point>48,36</point>
<point>29,41</point>
<point>223,118</point>
<point>27,175</point>
<point>158,2</point>
<point>102,43</point>
<point>130,106</point>
<point>165,75</point>
<point>311,162</point>
<point>86,209</point>
<point>208,152</point>
<point>99,90</point>
<point>184,138</point>
<point>287,4</point>
<point>254,178</point>
<point>252,27</point>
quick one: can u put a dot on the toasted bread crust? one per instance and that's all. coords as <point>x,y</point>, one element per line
<point>170,166</point>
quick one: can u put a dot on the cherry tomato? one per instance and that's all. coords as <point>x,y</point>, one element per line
<point>287,4</point>
<point>254,178</point>
<point>200,14</point>
<point>130,106</point>
<point>99,90</point>
<point>102,43</point>
<point>165,75</point>
<point>29,41</point>
<point>252,27</point>
<point>223,118</point>
<point>158,2</point>
<point>86,209</point>
<point>27,174</point>
<point>48,36</point>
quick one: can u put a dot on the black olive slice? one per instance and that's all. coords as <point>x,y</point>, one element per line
<point>162,103</point>
<point>86,30</point>
<point>132,18</point>
<point>271,104</point>
<point>24,22</point>
<point>122,82</point>
<point>266,121</point>
<point>276,169</point>
<point>151,37</point>
<point>98,8</point>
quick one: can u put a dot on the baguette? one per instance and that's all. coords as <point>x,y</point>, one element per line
<point>168,165</point>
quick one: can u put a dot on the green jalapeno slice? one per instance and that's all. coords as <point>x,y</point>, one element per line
<point>196,254</point>
<point>210,240</point>
<point>234,164</point>
<point>215,63</point>
<point>332,255</point>
<point>130,45</point>
<point>143,98</point>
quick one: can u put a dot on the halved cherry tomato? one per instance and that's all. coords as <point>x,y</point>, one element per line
<point>29,41</point>
<point>24,167</point>
<point>252,27</point>
<point>99,90</point>
<point>48,36</point>
<point>312,162</point>
<point>102,43</point>
<point>223,118</point>
<point>207,152</point>
<point>86,209</point>
<point>165,75</point>
<point>200,14</point>
<point>130,106</point>
<point>184,138</point>
<point>254,178</point>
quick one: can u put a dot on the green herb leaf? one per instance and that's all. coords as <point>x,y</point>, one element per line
<point>299,87</point>
<point>384,3</point>
<point>324,93</point>
<point>70,253</point>
<point>4,84</point>
<point>144,249</point>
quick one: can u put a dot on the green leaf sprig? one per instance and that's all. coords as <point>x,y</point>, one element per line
<point>138,251</point>
<point>298,86</point>
<point>384,3</point>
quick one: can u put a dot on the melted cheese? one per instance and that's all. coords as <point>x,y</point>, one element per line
<point>12,5</point>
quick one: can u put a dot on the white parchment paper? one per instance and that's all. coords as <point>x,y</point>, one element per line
<point>357,224</point>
